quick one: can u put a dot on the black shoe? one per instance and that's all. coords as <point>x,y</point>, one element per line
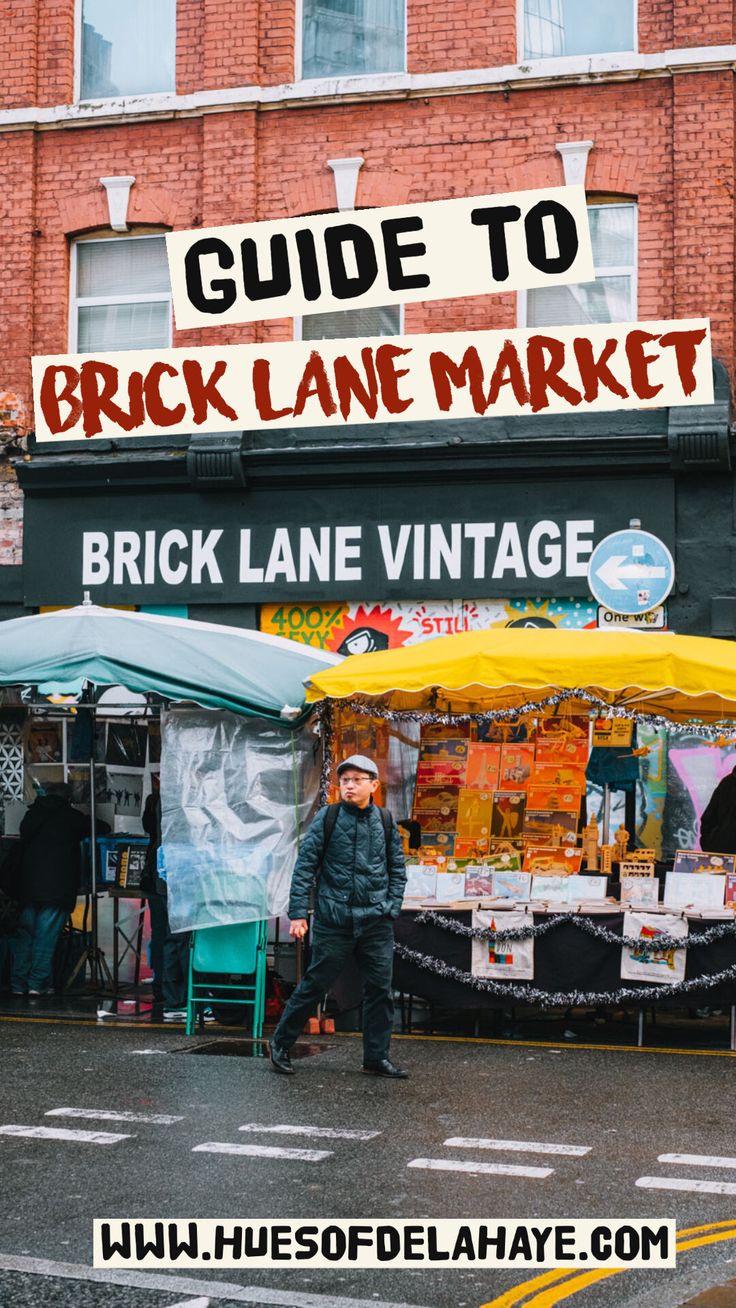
<point>280,1060</point>
<point>385,1068</point>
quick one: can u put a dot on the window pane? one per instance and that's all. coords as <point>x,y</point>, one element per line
<point>607,299</point>
<point>127,48</point>
<point>612,234</point>
<point>577,27</point>
<point>126,267</point>
<point>123,327</point>
<point>352,36</point>
<point>352,322</point>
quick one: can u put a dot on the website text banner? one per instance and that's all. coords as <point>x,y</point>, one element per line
<point>360,259</point>
<point>373,379</point>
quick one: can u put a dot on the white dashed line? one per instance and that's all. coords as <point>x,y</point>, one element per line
<point>491,1169</point>
<point>59,1133</point>
<point>109,1115</point>
<point>263,1151</point>
<point>697,1160</point>
<point>681,1183</point>
<point>518,1146</point>
<point>323,1132</point>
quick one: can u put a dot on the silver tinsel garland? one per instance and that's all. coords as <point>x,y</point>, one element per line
<point>664,941</point>
<point>526,993</point>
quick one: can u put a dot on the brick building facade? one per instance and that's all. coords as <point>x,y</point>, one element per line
<point>450,100</point>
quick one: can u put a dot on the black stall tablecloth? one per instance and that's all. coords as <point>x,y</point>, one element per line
<point>567,960</point>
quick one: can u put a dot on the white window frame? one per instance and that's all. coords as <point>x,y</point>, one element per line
<point>623,270</point>
<point>299,50</point>
<point>297,336</point>
<point>594,54</point>
<point>105,99</point>
<point>90,301</point>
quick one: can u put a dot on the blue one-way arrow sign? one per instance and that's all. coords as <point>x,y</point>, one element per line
<point>631,571</point>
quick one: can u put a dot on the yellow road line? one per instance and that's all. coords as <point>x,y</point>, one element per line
<point>574,1281</point>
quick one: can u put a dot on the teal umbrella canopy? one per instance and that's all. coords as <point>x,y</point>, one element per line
<point>215,666</point>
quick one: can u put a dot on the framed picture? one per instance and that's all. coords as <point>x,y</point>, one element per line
<point>639,892</point>
<point>683,890</point>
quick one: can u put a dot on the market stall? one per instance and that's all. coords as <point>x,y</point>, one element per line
<point>217,712</point>
<point>516,893</point>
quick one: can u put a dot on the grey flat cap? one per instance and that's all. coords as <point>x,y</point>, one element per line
<point>360,762</point>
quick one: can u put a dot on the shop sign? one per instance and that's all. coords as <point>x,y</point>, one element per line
<point>653,620</point>
<point>631,571</point>
<point>483,540</point>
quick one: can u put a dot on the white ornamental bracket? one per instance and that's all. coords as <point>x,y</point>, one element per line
<point>574,155</point>
<point>346,180</point>
<point>118,195</point>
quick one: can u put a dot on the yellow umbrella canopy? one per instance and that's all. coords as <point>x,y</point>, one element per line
<point>679,677</point>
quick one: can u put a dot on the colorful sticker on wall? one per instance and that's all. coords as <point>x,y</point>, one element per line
<point>361,628</point>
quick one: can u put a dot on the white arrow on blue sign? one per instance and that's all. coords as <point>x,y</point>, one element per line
<point>631,571</point>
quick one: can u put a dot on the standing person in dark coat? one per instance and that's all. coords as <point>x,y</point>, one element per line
<point>357,865</point>
<point>51,833</point>
<point>169,952</point>
<point>718,823</point>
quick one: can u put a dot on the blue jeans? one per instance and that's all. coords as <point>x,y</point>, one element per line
<point>38,932</point>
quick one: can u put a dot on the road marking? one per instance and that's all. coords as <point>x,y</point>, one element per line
<point>573,1283</point>
<point>263,1151</point>
<point>253,1294</point>
<point>190,1303</point>
<point>697,1160</point>
<point>685,1183</point>
<point>324,1132</point>
<point>107,1115</point>
<point>60,1133</point>
<point>492,1169</point>
<point>519,1146</point>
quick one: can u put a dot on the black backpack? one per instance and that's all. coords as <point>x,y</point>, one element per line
<point>331,819</point>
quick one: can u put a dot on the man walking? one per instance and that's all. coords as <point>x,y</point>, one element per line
<point>353,853</point>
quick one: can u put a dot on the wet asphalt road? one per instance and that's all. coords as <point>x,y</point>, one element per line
<point>625,1107</point>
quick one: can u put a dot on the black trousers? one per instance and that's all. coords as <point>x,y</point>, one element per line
<point>331,947</point>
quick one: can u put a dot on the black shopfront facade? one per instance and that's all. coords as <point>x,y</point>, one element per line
<point>476,509</point>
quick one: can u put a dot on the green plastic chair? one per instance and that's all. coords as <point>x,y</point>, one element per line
<point>238,950</point>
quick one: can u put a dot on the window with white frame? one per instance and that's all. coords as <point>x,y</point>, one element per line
<point>342,37</point>
<point>121,297</point>
<point>553,28</point>
<point>128,47</point>
<point>384,321</point>
<point>612,296</point>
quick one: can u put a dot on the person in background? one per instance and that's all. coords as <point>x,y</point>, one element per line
<point>718,823</point>
<point>51,834</point>
<point>169,952</point>
<point>352,855</point>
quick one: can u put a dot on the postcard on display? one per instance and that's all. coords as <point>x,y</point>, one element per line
<point>474,814</point>
<point>517,762</point>
<point>552,860</point>
<point>552,889</point>
<point>507,817</point>
<point>504,860</point>
<point>613,731</point>
<point>483,765</point>
<point>478,884</point>
<point>511,885</point>
<point>558,826</point>
<point>645,962</point>
<point>588,887</point>
<point>687,860</point>
<point>639,892</point>
<point>552,797</point>
<point>420,880</point>
<point>441,772</point>
<point>558,775</point>
<point>475,849</point>
<point>683,890</point>
<point>633,868</point>
<point>449,886</point>
<point>562,749</point>
<point>575,726</point>
<point>502,959</point>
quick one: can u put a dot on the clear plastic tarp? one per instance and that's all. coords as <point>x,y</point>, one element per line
<point>235,793</point>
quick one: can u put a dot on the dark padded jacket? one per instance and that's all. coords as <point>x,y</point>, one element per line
<point>718,823</point>
<point>361,879</point>
<point>51,833</point>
